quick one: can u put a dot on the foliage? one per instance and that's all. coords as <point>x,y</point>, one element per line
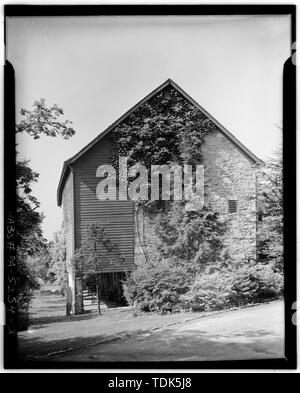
<point>186,243</point>
<point>191,238</point>
<point>156,287</point>
<point>169,120</point>
<point>193,264</point>
<point>270,227</point>
<point>233,286</point>
<point>165,130</point>
<point>29,237</point>
<point>29,233</point>
<point>26,285</point>
<point>165,287</point>
<point>96,249</point>
<point>58,265</point>
<point>43,120</point>
<point>40,263</point>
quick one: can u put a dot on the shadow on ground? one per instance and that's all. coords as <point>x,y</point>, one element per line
<point>36,321</point>
<point>45,348</point>
<point>190,346</point>
<point>164,345</point>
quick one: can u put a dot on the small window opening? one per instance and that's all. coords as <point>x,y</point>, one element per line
<point>232,206</point>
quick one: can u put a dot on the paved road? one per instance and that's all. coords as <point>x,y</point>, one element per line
<point>251,333</point>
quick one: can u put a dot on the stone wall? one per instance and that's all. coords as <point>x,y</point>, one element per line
<point>229,175</point>
<point>79,309</point>
<point>76,293</point>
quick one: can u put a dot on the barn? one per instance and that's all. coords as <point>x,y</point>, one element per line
<point>230,174</point>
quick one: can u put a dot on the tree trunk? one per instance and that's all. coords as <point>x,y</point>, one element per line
<point>141,241</point>
<point>98,291</point>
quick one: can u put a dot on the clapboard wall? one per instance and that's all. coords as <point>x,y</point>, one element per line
<point>116,216</point>
<point>68,215</point>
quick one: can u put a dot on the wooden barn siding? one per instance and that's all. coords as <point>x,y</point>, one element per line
<point>67,203</point>
<point>116,216</point>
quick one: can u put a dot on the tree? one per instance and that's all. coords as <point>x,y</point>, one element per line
<point>29,232</point>
<point>29,239</point>
<point>42,120</point>
<point>96,250</point>
<point>270,216</point>
<point>40,264</point>
<point>58,264</point>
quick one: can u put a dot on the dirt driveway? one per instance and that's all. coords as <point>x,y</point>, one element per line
<point>249,333</point>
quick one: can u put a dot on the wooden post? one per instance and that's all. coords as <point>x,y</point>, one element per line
<point>98,291</point>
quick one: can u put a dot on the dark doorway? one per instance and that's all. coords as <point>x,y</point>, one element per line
<point>111,290</point>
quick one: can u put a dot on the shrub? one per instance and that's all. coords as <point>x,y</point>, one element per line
<point>156,287</point>
<point>26,284</point>
<point>233,287</point>
<point>256,283</point>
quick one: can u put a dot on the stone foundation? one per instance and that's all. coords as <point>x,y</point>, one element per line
<point>76,294</point>
<point>79,309</point>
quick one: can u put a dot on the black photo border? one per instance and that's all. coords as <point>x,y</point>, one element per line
<point>289,185</point>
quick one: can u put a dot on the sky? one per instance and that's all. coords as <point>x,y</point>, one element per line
<point>96,68</point>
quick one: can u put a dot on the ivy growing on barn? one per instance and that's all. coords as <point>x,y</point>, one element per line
<point>168,130</point>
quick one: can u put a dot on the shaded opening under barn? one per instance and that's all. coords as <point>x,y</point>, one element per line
<point>110,288</point>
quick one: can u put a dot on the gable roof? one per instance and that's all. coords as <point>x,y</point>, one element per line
<point>168,82</point>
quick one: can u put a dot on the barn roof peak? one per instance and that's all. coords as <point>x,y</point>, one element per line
<point>168,82</point>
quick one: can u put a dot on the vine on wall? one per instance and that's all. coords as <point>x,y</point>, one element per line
<point>165,130</point>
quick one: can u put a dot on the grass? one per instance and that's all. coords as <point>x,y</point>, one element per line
<point>51,331</point>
